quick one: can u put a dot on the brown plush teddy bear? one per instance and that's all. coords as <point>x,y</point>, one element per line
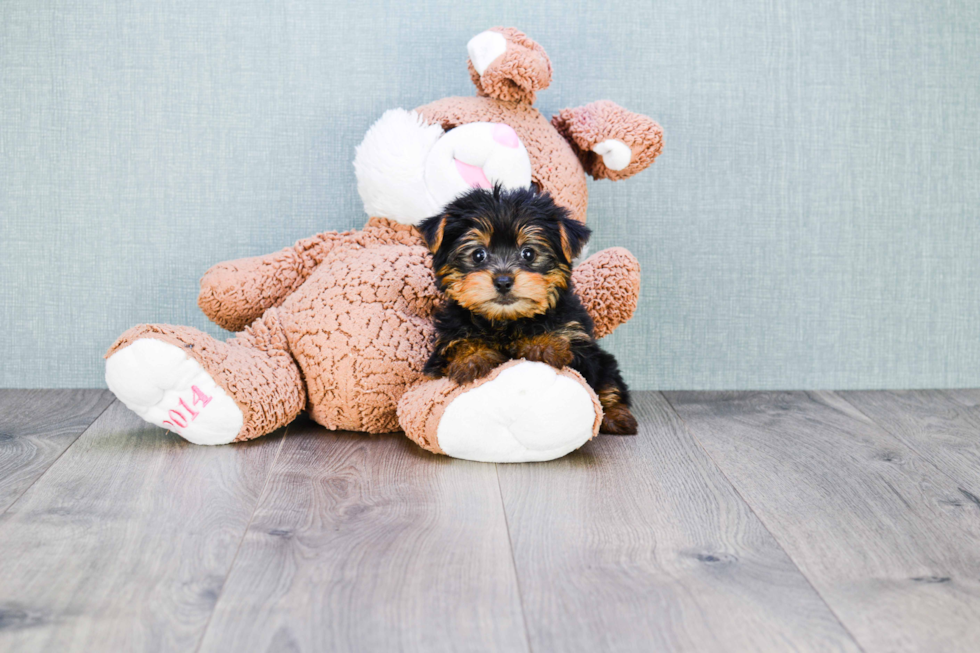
<point>340,325</point>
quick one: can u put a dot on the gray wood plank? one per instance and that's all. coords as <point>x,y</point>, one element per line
<point>365,543</point>
<point>943,427</point>
<point>967,396</point>
<point>36,426</point>
<point>123,545</point>
<point>880,532</point>
<point>641,544</point>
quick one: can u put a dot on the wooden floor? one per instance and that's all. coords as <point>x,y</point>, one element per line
<point>733,522</point>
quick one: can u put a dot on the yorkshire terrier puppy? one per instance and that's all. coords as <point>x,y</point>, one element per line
<point>504,261</point>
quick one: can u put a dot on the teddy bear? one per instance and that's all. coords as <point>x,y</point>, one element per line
<point>340,324</point>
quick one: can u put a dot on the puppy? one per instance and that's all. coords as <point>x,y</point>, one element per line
<point>504,261</point>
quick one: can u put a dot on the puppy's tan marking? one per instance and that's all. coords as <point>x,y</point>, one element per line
<point>616,416</point>
<point>440,231</point>
<point>549,348</point>
<point>470,360</point>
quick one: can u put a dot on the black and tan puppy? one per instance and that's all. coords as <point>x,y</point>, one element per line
<point>504,261</point>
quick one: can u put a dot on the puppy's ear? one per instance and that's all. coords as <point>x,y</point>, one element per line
<point>573,235</point>
<point>432,230</point>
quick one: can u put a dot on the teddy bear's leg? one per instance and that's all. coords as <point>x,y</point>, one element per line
<point>205,390</point>
<point>521,412</point>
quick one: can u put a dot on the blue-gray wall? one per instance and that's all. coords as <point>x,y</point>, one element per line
<point>812,223</point>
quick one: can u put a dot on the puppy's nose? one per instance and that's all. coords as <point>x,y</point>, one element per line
<point>503,282</point>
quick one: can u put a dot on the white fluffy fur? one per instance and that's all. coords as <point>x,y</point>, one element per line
<point>390,167</point>
<point>528,413</point>
<point>407,169</point>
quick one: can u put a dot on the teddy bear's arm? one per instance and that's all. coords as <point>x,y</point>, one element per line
<point>611,142</point>
<point>235,293</point>
<point>608,283</point>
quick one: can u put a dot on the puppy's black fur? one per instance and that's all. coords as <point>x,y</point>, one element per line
<point>504,261</point>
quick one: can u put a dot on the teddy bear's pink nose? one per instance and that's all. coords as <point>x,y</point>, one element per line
<point>505,135</point>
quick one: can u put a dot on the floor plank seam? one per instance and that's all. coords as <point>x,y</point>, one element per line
<point>513,560</point>
<point>908,445</point>
<point>748,505</point>
<point>241,540</point>
<point>58,457</point>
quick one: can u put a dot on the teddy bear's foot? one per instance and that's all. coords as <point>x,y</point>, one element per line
<point>505,64</point>
<point>484,48</point>
<point>160,383</point>
<point>205,390</point>
<point>521,412</point>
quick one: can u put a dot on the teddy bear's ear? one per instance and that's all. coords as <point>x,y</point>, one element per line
<point>507,65</point>
<point>611,142</point>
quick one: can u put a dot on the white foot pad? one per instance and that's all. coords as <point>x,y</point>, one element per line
<point>166,387</point>
<point>484,48</point>
<point>528,413</point>
<point>615,154</point>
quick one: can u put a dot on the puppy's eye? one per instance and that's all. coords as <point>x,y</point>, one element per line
<point>480,255</point>
<point>528,254</point>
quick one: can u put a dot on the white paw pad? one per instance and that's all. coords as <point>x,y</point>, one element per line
<point>166,387</point>
<point>615,154</point>
<point>528,413</point>
<point>484,48</point>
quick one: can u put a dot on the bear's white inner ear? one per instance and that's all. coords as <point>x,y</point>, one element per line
<point>615,153</point>
<point>484,48</point>
<point>390,167</point>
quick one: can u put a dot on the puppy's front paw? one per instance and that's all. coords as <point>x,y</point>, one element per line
<point>548,348</point>
<point>473,363</point>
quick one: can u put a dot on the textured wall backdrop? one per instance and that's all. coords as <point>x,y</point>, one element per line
<point>812,223</point>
